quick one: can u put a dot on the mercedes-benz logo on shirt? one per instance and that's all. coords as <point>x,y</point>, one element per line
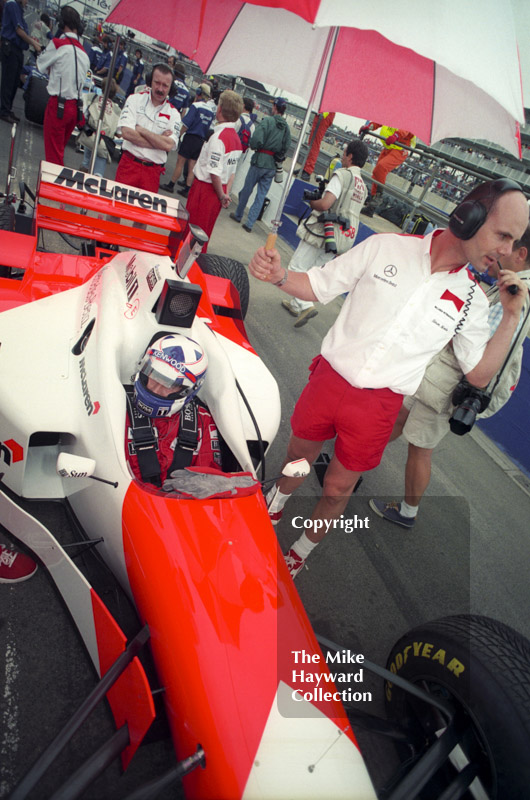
<point>390,271</point>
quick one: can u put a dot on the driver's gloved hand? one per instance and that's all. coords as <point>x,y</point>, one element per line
<point>200,485</point>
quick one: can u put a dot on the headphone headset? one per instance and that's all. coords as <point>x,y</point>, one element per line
<point>468,217</point>
<point>79,22</point>
<point>149,76</point>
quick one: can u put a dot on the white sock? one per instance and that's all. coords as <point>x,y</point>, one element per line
<point>408,511</point>
<point>275,499</point>
<point>303,546</point>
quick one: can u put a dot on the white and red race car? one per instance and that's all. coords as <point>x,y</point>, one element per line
<point>231,643</point>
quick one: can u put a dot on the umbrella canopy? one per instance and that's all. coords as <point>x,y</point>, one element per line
<point>439,71</point>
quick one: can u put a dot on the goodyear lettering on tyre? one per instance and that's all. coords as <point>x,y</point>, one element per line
<point>423,650</point>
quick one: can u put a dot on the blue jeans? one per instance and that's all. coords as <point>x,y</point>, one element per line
<point>99,165</point>
<point>263,178</point>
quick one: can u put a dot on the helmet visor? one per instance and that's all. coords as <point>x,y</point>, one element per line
<point>160,384</point>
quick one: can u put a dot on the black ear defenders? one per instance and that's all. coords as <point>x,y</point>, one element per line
<point>149,76</point>
<point>70,16</point>
<point>470,215</point>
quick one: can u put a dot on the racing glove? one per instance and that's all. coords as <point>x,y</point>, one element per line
<point>392,139</point>
<point>190,483</point>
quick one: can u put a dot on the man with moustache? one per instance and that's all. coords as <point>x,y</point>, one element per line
<point>150,128</point>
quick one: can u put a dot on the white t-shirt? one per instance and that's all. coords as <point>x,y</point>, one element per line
<point>59,60</point>
<point>334,186</point>
<point>398,314</point>
<point>219,155</point>
<point>139,110</point>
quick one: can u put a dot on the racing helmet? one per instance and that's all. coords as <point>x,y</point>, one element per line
<point>178,366</point>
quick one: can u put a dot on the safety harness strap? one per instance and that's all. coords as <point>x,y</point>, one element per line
<point>144,442</point>
<point>188,437</point>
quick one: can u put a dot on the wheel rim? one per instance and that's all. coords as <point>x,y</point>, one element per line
<point>428,723</point>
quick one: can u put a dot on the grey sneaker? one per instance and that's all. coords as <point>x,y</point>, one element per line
<point>305,316</point>
<point>287,305</point>
<point>390,511</point>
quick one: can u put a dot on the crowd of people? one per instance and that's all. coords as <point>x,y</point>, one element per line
<point>411,306</point>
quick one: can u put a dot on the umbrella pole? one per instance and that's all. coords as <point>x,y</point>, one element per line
<point>110,74</point>
<point>276,222</point>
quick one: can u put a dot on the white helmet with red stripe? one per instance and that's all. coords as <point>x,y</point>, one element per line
<point>170,374</point>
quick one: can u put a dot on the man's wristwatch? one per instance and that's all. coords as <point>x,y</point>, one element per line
<point>282,280</point>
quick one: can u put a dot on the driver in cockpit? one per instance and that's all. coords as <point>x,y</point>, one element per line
<point>168,427</point>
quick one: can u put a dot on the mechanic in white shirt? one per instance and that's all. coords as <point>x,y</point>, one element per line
<point>216,166</point>
<point>150,128</point>
<point>67,63</point>
<point>408,296</point>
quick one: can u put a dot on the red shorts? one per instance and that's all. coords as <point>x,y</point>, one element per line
<point>142,176</point>
<point>203,206</point>
<point>361,419</point>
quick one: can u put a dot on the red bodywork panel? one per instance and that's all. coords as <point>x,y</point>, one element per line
<point>210,581</point>
<point>130,698</point>
<point>70,211</point>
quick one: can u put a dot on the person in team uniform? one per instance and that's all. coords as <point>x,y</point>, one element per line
<point>137,72</point>
<point>195,127</point>
<point>216,167</point>
<point>390,158</point>
<point>150,128</point>
<point>407,297</point>
<point>66,63</point>
<point>121,63</point>
<point>180,94</point>
<point>15,40</point>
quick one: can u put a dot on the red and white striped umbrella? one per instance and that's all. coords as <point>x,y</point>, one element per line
<point>445,69</point>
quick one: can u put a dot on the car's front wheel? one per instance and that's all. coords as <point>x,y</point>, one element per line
<point>481,668</point>
<point>229,268</point>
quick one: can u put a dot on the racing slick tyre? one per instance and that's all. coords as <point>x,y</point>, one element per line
<point>228,268</point>
<point>7,217</point>
<point>36,99</point>
<point>482,669</point>
<point>7,223</point>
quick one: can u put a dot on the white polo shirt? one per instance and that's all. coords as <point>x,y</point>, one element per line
<point>219,155</point>
<point>139,110</point>
<point>59,60</point>
<point>397,314</point>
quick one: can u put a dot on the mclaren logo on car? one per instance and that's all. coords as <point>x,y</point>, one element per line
<point>11,452</point>
<point>125,194</point>
<point>91,407</point>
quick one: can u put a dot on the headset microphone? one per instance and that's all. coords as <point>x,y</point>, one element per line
<point>512,289</point>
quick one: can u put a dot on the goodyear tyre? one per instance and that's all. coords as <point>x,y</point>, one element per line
<point>482,668</point>
<point>36,99</point>
<point>228,268</point>
<point>7,223</point>
<point>7,217</point>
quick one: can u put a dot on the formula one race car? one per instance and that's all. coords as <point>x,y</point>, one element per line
<point>215,603</point>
